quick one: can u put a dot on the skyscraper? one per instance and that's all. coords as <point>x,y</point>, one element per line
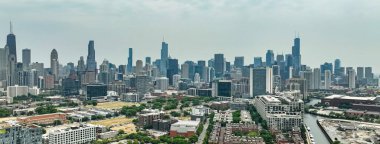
<point>296,53</point>
<point>164,58</point>
<point>257,62</point>
<point>54,64</point>
<point>91,62</point>
<point>3,64</point>
<point>337,65</point>
<point>11,43</point>
<point>368,73</point>
<point>269,58</point>
<point>327,79</point>
<point>261,81</point>
<point>26,54</point>
<point>317,78</point>
<point>219,65</point>
<point>326,66</point>
<point>239,62</point>
<point>139,67</point>
<point>130,61</point>
<point>351,79</point>
<point>148,61</point>
<point>360,72</point>
<point>172,69</point>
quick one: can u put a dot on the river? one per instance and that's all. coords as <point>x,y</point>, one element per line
<point>311,121</point>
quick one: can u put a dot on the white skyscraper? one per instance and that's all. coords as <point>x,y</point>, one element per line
<point>351,79</point>
<point>197,78</point>
<point>316,78</point>
<point>162,83</point>
<point>269,80</point>
<point>176,79</point>
<point>185,70</point>
<point>327,79</point>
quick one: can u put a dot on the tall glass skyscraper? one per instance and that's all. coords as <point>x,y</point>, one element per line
<point>296,53</point>
<point>130,61</point>
<point>257,62</point>
<point>91,62</point>
<point>11,43</point>
<point>219,65</point>
<point>269,58</point>
<point>26,54</point>
<point>337,65</point>
<point>164,58</point>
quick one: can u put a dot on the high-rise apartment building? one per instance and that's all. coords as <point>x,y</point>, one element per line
<point>351,79</point>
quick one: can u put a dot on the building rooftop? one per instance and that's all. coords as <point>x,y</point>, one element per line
<point>350,97</point>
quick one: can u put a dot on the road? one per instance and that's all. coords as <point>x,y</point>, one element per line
<point>203,134</point>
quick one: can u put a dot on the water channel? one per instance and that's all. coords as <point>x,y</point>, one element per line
<point>311,121</point>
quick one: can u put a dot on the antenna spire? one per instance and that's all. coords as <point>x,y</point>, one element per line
<point>10,27</point>
<point>163,38</point>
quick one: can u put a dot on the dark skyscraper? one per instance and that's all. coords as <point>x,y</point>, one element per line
<point>164,58</point>
<point>172,69</point>
<point>148,60</point>
<point>296,53</point>
<point>219,65</point>
<point>239,62</point>
<point>257,62</point>
<point>91,63</point>
<point>26,54</point>
<point>337,65</point>
<point>269,58</point>
<point>11,43</point>
<point>130,61</point>
<point>360,72</point>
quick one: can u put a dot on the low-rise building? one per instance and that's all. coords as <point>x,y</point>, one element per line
<point>43,119</point>
<point>226,135</point>
<point>184,128</point>
<point>338,100</point>
<point>199,112</point>
<point>106,135</point>
<point>147,116</point>
<point>162,125</point>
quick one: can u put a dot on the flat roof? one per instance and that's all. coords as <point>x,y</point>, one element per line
<point>350,97</point>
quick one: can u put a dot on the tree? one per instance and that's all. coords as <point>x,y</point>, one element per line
<point>175,114</point>
<point>85,119</point>
<point>57,122</point>
<point>5,112</point>
<point>120,132</point>
<point>193,138</point>
<point>46,109</point>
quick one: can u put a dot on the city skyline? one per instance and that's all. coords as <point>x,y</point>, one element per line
<point>184,38</point>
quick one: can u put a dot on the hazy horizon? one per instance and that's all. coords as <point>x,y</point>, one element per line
<point>194,30</point>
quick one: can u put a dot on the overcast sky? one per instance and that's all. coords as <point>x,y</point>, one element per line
<point>345,29</point>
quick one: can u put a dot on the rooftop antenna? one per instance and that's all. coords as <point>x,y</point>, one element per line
<point>10,27</point>
<point>163,38</point>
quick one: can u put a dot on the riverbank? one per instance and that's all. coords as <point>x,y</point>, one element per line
<point>324,131</point>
